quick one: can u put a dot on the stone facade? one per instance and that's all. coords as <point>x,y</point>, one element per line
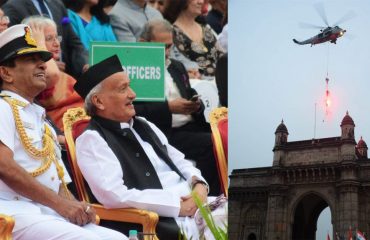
<point>284,201</point>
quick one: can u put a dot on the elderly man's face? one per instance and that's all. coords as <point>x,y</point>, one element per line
<point>164,37</point>
<point>115,100</point>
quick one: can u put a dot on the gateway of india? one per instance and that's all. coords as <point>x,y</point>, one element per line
<point>284,201</point>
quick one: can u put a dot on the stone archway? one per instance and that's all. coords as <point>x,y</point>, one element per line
<point>252,236</point>
<point>306,214</point>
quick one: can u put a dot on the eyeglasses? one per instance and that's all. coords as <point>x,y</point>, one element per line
<point>4,19</point>
<point>53,38</point>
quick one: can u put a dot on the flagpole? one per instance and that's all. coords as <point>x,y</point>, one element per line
<point>314,126</point>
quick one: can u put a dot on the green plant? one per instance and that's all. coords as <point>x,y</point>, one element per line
<point>218,233</point>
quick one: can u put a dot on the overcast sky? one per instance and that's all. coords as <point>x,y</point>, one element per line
<point>271,78</point>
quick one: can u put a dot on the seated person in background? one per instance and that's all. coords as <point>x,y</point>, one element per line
<point>73,53</point>
<point>181,119</point>
<point>129,16</point>
<point>195,41</point>
<point>128,162</point>
<point>32,176</point>
<point>4,21</point>
<point>89,21</point>
<point>59,94</point>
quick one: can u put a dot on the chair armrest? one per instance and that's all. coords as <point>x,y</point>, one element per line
<point>216,116</point>
<point>6,227</point>
<point>146,218</point>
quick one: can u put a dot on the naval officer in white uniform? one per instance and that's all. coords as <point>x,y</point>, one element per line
<point>32,175</point>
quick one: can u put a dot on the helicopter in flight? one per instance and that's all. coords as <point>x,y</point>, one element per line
<point>328,33</point>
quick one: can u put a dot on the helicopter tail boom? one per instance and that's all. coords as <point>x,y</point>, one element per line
<point>298,42</point>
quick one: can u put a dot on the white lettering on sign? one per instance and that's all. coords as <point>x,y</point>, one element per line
<point>143,73</point>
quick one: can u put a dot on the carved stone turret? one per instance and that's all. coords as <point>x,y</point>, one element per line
<point>281,134</point>
<point>361,149</point>
<point>348,148</point>
<point>281,138</point>
<point>348,127</point>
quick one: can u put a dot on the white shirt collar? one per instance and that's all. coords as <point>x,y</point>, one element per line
<point>127,124</point>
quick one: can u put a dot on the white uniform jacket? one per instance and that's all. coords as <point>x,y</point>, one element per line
<point>33,119</point>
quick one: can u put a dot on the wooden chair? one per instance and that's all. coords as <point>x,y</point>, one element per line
<point>6,227</point>
<point>75,121</point>
<point>219,125</point>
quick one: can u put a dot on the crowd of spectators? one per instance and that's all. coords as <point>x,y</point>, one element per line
<point>195,36</point>
<point>199,35</point>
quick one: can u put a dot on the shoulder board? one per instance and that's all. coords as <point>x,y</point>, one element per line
<point>8,98</point>
<point>3,95</point>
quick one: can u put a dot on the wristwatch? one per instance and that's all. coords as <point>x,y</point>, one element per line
<point>198,181</point>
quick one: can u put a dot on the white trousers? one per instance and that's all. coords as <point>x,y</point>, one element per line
<point>56,229</point>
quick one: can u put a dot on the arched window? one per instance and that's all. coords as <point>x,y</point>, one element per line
<point>253,215</point>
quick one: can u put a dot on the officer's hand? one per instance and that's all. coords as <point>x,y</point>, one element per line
<point>76,212</point>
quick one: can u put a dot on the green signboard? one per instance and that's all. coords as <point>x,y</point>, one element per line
<point>143,62</point>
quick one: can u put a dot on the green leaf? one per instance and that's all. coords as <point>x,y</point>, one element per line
<point>218,233</point>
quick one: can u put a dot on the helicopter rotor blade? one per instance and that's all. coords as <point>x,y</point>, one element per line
<point>309,25</point>
<point>347,17</point>
<point>321,11</point>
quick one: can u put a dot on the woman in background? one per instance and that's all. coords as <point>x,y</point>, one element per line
<point>90,20</point>
<point>195,41</point>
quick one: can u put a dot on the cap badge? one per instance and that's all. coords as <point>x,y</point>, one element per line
<point>28,37</point>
